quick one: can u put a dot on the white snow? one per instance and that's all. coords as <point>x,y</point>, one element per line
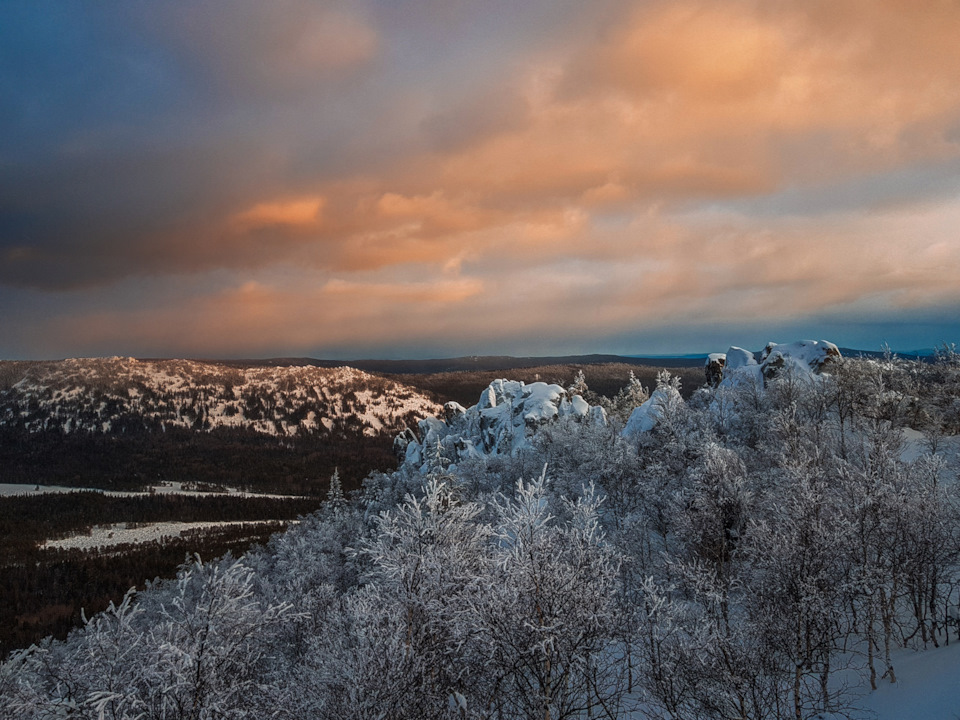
<point>644,418</point>
<point>170,488</point>
<point>10,489</point>
<point>105,536</point>
<point>915,446</point>
<point>737,357</point>
<point>927,687</point>
<point>806,355</point>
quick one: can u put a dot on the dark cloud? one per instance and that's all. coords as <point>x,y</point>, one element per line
<point>476,120</point>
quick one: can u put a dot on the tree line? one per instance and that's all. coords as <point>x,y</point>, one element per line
<point>235,457</point>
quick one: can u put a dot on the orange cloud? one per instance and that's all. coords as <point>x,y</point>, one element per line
<point>716,52</point>
<point>682,160</point>
<point>693,100</point>
<point>302,212</point>
<point>434,213</point>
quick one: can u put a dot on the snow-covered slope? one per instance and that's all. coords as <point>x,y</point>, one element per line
<point>502,422</point>
<point>926,688</point>
<point>123,394</point>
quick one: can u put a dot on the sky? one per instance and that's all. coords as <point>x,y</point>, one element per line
<point>433,178</point>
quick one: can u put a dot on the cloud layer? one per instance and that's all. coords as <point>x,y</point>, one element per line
<point>364,178</point>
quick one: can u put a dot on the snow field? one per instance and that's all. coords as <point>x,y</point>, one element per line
<point>107,536</point>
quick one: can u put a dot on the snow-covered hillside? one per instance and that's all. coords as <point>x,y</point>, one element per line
<point>124,394</point>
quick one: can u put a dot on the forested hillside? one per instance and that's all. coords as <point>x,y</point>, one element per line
<point>123,423</point>
<point>753,551</point>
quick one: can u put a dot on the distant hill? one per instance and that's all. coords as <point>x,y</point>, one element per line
<point>125,423</point>
<point>104,394</point>
<point>493,363</point>
<point>475,363</point>
<point>925,355</point>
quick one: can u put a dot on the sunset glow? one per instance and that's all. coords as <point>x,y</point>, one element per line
<point>427,178</point>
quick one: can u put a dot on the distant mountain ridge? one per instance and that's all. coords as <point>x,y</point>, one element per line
<point>473,362</point>
<point>128,395</point>
<point>509,362</point>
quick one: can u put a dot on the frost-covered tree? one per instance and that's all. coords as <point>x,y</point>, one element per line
<point>800,577</point>
<point>631,396</point>
<point>548,617</point>
<point>335,493</point>
<point>398,647</point>
<point>196,649</point>
<point>579,384</point>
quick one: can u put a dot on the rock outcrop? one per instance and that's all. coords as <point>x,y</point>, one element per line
<point>503,421</point>
<point>713,368</point>
<point>738,368</point>
<point>806,357</point>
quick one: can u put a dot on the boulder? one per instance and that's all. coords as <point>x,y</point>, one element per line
<point>804,356</point>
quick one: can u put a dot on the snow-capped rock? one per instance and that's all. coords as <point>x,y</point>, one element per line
<point>810,356</point>
<point>740,367</point>
<point>503,421</point>
<point>806,357</point>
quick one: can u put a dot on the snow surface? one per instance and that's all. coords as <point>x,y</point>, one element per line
<point>11,489</point>
<point>927,687</point>
<point>915,446</point>
<point>645,418</point>
<point>106,536</point>
<point>811,352</point>
<point>737,357</point>
<point>170,488</point>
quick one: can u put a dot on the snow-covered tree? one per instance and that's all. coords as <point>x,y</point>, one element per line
<point>548,617</point>
<point>800,580</point>
<point>196,649</point>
